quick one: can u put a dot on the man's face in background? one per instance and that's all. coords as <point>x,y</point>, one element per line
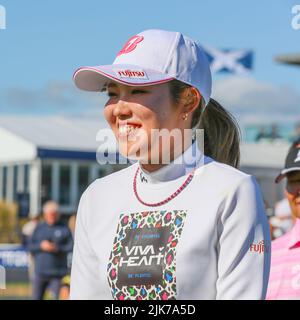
<point>51,214</point>
<point>292,192</point>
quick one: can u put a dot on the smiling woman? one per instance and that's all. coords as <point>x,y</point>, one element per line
<point>133,113</point>
<point>179,223</point>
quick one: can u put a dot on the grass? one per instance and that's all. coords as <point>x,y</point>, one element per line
<point>16,291</point>
<point>20,291</point>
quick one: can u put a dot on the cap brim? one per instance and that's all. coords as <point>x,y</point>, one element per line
<point>284,172</point>
<point>96,78</point>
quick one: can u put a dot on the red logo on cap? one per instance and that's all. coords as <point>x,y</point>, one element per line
<point>131,44</point>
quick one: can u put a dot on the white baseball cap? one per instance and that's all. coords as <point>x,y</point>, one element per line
<point>152,57</point>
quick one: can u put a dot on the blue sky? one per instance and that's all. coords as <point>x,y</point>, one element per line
<point>45,41</point>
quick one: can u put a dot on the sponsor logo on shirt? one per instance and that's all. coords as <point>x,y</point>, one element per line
<point>143,178</point>
<point>141,260</point>
<point>259,247</point>
<point>142,264</point>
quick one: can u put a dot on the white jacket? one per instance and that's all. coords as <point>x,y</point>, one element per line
<point>206,243</point>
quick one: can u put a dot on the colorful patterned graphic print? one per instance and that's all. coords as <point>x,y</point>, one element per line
<point>142,264</point>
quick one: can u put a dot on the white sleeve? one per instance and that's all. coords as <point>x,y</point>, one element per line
<point>84,272</point>
<point>242,272</point>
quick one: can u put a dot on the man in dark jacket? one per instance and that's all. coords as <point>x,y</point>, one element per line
<point>50,244</point>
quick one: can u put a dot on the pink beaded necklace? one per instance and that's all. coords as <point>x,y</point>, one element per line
<point>172,196</point>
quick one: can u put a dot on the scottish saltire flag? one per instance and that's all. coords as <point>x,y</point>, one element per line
<point>233,61</point>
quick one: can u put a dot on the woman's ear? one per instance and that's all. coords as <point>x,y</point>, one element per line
<point>191,99</point>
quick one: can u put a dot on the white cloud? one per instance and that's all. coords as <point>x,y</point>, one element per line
<point>253,101</point>
<point>53,98</point>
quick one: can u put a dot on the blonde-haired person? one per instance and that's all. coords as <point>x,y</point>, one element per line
<point>185,229</point>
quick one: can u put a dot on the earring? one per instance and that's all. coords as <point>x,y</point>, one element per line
<point>185,116</point>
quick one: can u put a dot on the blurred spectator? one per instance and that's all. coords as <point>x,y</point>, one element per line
<point>282,220</point>
<point>50,244</point>
<point>274,134</point>
<point>72,223</point>
<point>269,212</point>
<point>64,292</point>
<point>27,232</point>
<point>284,281</point>
<point>296,134</point>
<point>262,134</point>
<point>269,135</point>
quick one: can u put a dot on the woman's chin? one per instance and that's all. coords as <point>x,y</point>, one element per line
<point>132,152</point>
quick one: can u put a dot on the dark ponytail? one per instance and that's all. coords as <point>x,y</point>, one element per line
<point>221,132</point>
